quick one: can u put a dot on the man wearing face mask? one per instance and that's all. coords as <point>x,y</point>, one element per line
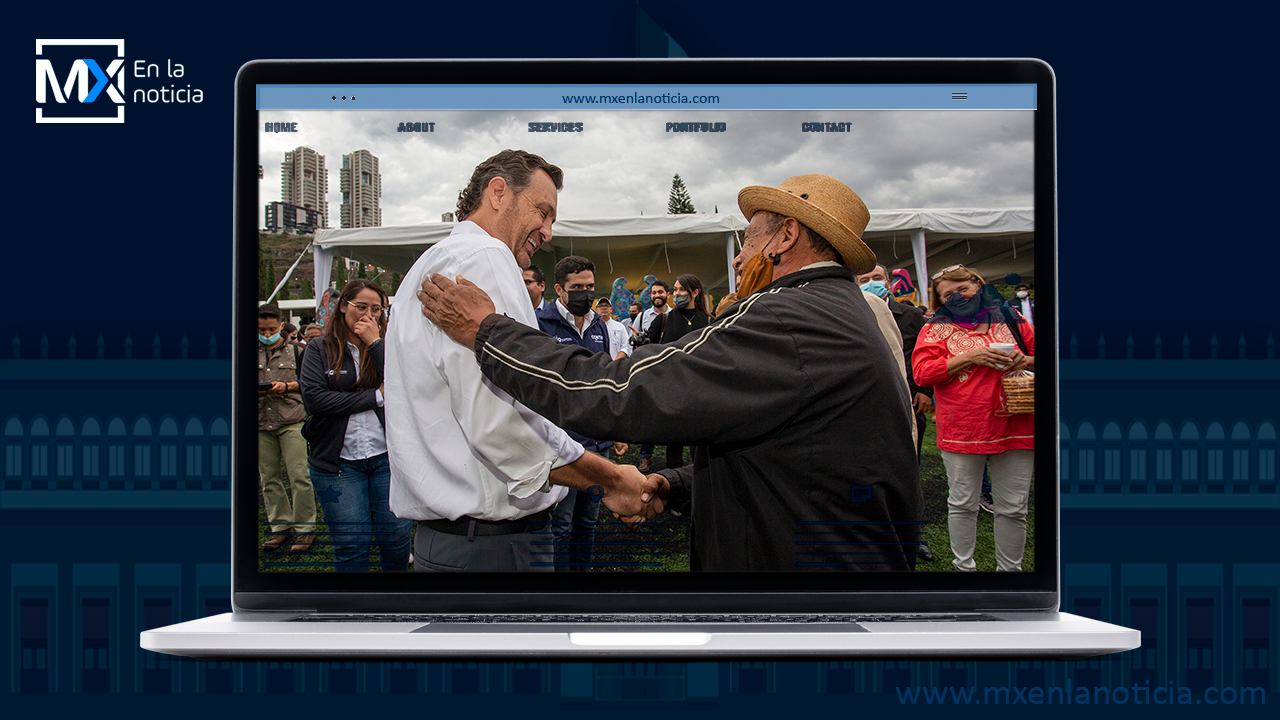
<point>910,320</point>
<point>1023,302</point>
<point>794,402</point>
<point>906,321</point>
<point>570,320</point>
<point>291,520</point>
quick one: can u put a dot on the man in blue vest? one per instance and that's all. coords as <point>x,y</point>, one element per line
<point>571,320</point>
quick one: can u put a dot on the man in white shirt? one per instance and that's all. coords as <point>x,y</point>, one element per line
<point>1023,302</point>
<point>658,293</point>
<point>477,470</point>
<point>619,333</point>
<point>658,296</point>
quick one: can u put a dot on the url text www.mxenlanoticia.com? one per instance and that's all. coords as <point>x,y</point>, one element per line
<point>1143,694</point>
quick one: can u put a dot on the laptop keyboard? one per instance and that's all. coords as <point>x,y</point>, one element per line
<point>638,619</point>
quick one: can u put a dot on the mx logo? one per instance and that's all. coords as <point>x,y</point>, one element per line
<point>71,99</point>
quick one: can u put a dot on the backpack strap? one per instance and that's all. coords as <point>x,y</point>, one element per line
<point>1014,325</point>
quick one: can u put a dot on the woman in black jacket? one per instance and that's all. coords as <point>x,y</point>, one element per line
<point>342,391</point>
<point>688,313</point>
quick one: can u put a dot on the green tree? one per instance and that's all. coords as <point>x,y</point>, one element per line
<point>267,274</point>
<point>361,273</point>
<point>308,290</point>
<point>679,203</point>
<point>340,274</point>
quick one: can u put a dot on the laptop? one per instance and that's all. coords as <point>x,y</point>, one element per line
<point>353,169</point>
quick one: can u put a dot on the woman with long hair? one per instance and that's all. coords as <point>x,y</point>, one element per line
<point>342,391</point>
<point>690,311</point>
<point>963,352</point>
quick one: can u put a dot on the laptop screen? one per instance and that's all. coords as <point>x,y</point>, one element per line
<point>899,444</point>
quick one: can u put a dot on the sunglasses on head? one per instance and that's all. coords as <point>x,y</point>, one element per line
<point>946,270</point>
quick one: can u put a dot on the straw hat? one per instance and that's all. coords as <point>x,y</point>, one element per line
<point>822,204</point>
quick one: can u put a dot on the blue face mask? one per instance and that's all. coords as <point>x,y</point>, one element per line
<point>877,287</point>
<point>964,308</point>
<point>269,340</point>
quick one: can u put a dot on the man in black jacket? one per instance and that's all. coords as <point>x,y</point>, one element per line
<point>799,412</point>
<point>910,321</point>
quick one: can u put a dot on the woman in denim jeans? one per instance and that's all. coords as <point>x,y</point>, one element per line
<point>342,391</point>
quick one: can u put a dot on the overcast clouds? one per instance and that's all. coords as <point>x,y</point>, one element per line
<point>622,163</point>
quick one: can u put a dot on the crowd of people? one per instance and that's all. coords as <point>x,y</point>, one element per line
<point>804,395</point>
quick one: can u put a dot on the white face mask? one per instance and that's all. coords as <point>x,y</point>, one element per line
<point>1022,294</point>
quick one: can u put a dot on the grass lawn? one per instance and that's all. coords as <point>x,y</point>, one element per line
<point>662,544</point>
<point>666,545</point>
<point>933,478</point>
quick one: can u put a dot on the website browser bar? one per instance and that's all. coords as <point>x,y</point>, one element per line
<point>646,97</point>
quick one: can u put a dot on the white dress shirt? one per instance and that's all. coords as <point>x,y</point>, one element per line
<point>619,339</point>
<point>365,437</point>
<point>458,445</point>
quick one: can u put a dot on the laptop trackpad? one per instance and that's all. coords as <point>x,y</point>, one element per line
<point>639,639</point>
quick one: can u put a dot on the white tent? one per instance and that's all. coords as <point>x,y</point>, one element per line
<point>991,242</point>
<point>994,242</point>
<point>631,247</point>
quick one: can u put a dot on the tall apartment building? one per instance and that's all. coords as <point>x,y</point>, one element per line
<point>361,185</point>
<point>304,181</point>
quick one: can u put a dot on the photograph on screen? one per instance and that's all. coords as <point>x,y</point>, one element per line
<point>385,446</point>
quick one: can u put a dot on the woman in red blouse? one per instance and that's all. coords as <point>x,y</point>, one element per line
<point>953,354</point>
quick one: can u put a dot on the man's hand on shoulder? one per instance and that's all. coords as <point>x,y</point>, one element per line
<point>456,308</point>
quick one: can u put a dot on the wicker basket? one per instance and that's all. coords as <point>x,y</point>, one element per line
<point>1020,390</point>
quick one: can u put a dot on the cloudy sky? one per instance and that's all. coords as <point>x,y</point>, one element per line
<point>623,161</point>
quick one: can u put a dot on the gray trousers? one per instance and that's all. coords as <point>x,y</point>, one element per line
<point>442,552</point>
<point>1010,491</point>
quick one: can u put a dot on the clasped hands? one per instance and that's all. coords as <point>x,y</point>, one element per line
<point>634,496</point>
<point>987,357</point>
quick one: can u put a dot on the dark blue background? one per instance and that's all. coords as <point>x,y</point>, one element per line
<point>1165,174</point>
<point>1164,151</point>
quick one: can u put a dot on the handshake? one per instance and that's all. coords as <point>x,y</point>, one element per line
<point>630,495</point>
<point>636,496</point>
